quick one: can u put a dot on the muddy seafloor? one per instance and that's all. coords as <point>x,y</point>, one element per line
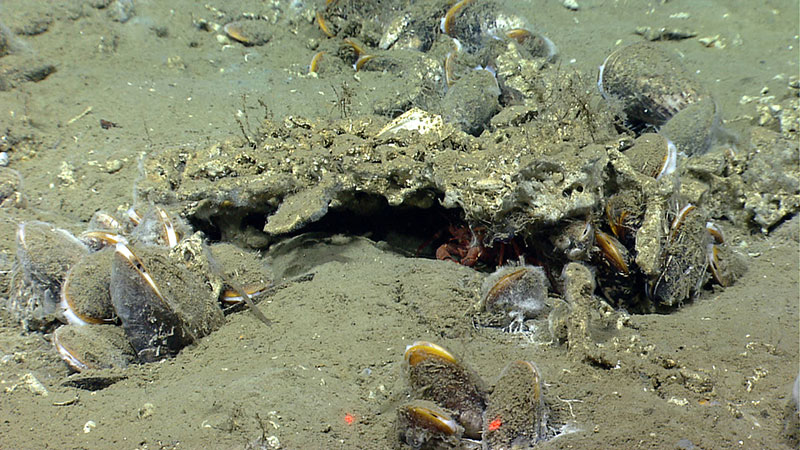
<point>717,374</point>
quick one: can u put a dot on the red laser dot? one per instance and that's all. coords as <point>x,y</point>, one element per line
<point>495,424</point>
<point>349,419</point>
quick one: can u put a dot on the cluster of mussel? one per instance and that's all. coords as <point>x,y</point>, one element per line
<point>648,239</point>
<point>650,249</point>
<point>451,406</point>
<point>443,53</point>
<point>147,273</point>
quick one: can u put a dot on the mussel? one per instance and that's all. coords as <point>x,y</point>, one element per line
<point>434,374</point>
<point>516,416</point>
<point>160,319</point>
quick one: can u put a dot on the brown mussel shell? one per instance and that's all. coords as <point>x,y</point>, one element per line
<point>651,83</point>
<point>516,416</point>
<point>434,374</point>
<point>162,305</point>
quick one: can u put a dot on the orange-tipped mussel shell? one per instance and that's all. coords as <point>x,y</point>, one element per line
<point>423,424</point>
<point>434,374</point>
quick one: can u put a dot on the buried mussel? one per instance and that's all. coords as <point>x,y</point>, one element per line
<point>160,319</point>
<point>516,415</point>
<point>93,347</point>
<point>422,424</point>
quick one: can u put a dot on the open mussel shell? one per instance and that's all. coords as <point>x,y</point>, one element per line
<point>515,292</point>
<point>424,425</point>
<point>434,374</point>
<point>85,294</point>
<point>93,347</point>
<point>516,415</point>
<point>651,83</point>
<point>163,306</point>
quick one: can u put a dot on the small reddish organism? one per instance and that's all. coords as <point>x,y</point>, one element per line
<point>467,247</point>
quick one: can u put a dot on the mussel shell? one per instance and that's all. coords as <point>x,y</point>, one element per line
<point>624,212</point>
<point>470,25</point>
<point>440,378</point>
<point>683,260</point>
<point>516,415</point>
<point>249,32</point>
<point>652,85</point>
<point>653,155</point>
<point>85,293</point>
<point>536,45</point>
<point>163,306</point>
<point>93,346</point>
<point>573,240</point>
<point>247,268</point>
<point>693,128</point>
<point>424,425</point>
<point>157,227</point>
<point>10,183</point>
<point>46,253</point>
<point>725,264</point>
<point>105,221</point>
<point>516,290</point>
<point>472,101</point>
